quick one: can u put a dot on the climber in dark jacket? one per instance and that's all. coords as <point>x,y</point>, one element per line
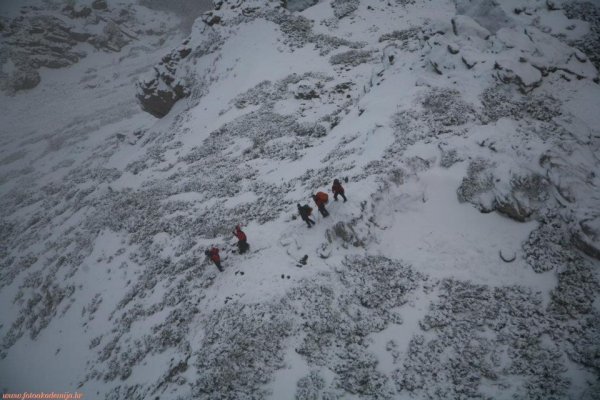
<point>213,253</point>
<point>242,240</point>
<point>305,212</point>
<point>338,189</point>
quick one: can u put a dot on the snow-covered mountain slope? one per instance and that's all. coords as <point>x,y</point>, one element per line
<point>465,263</point>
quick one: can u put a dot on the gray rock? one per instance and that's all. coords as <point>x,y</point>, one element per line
<point>586,237</point>
<point>99,5</point>
<point>343,8</point>
<point>23,80</point>
<point>158,94</point>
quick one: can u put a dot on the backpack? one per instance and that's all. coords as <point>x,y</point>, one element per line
<point>307,210</point>
<point>322,197</point>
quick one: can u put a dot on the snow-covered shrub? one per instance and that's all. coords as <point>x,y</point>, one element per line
<point>479,180</point>
<point>449,157</point>
<point>375,286</point>
<point>327,43</point>
<point>242,346</point>
<point>379,283</point>
<point>298,29</point>
<point>542,107</point>
<point>477,333</point>
<point>351,57</point>
<point>577,288</point>
<point>310,386</point>
<point>499,102</point>
<point>445,107</point>
<point>548,246</point>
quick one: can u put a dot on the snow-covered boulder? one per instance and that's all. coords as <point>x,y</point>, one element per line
<point>466,27</point>
<point>519,72</point>
<point>488,13</point>
<point>516,196</point>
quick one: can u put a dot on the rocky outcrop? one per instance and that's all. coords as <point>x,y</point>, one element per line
<point>39,39</point>
<point>159,92</point>
<point>586,237</point>
<point>519,198</point>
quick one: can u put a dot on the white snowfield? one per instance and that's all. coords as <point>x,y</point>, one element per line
<point>464,265</point>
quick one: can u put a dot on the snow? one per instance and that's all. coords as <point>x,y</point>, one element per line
<point>442,237</point>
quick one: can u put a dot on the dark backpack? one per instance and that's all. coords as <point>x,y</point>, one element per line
<point>305,211</point>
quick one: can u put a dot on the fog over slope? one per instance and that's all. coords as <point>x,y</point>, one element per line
<point>465,263</point>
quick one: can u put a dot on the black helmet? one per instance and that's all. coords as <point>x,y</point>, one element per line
<point>337,181</point>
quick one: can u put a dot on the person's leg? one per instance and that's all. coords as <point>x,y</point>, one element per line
<point>218,264</point>
<point>344,197</point>
<point>335,195</point>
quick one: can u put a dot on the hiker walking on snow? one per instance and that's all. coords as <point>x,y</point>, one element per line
<point>213,253</point>
<point>305,212</point>
<point>338,189</point>
<point>321,199</point>
<point>242,243</point>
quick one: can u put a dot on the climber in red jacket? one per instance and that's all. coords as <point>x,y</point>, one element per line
<point>338,189</point>
<point>242,240</point>
<point>213,253</point>
<point>321,199</point>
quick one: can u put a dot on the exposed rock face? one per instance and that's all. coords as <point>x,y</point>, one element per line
<point>589,12</point>
<point>160,92</point>
<point>586,237</point>
<point>39,39</point>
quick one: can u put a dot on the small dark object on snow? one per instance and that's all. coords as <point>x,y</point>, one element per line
<point>507,260</point>
<point>282,276</point>
<point>304,259</point>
